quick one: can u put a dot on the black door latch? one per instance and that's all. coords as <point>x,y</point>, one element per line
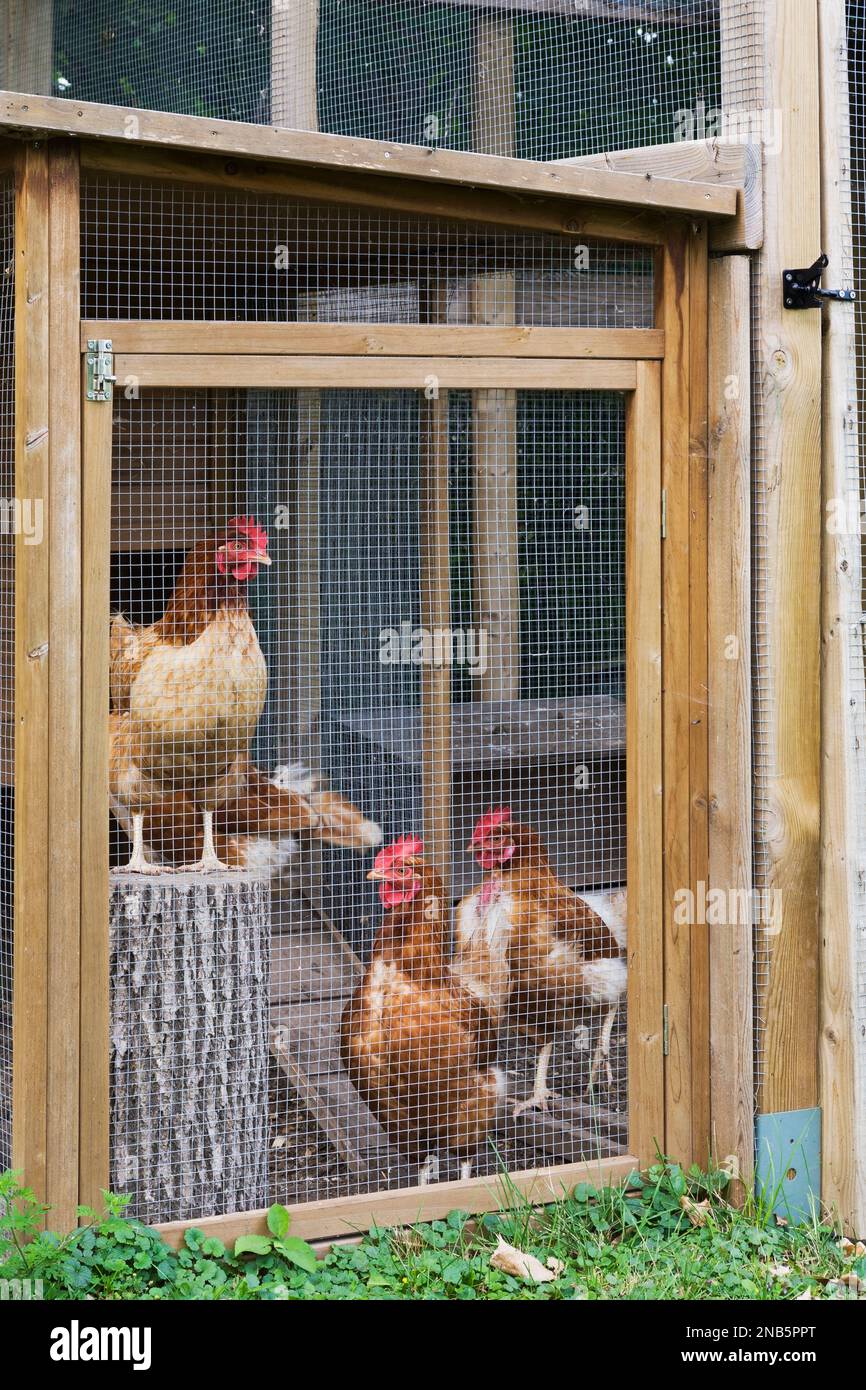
<point>801,288</point>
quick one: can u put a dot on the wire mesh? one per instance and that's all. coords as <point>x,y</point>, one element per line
<point>540,79</point>
<point>289,1030</point>
<point>7,645</point>
<point>163,251</point>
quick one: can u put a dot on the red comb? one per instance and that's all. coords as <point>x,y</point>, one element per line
<point>405,848</point>
<point>249,527</point>
<point>491,820</point>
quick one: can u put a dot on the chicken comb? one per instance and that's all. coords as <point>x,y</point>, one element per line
<point>249,527</point>
<point>491,820</point>
<point>405,848</point>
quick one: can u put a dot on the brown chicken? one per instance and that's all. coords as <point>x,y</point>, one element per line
<point>532,950</point>
<point>417,1046</point>
<point>192,687</point>
<point>258,828</point>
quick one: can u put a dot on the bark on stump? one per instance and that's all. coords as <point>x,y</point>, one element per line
<point>189,1043</point>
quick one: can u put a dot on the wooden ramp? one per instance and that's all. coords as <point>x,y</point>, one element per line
<point>313,975</point>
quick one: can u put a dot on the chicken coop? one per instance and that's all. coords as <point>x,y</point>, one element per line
<point>410,735</point>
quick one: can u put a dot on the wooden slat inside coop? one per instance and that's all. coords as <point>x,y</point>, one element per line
<point>394,605</point>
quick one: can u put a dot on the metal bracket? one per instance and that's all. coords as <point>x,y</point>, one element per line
<point>788,1163</point>
<point>801,288</point>
<point>99,362</point>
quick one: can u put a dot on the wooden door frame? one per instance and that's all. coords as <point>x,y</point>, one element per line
<point>642,381</point>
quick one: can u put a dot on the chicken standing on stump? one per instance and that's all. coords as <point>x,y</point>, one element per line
<point>531,949</point>
<point>191,687</point>
<point>416,1045</point>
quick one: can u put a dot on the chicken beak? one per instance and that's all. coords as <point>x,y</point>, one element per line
<point>261,558</point>
<point>377,876</point>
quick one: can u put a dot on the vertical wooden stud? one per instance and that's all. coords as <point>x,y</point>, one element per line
<point>730,712</point>
<point>32,712</point>
<point>294,34</point>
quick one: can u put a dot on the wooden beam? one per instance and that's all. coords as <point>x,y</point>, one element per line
<point>644,764</point>
<point>698,685</point>
<point>64,713</point>
<point>337,152</point>
<point>96,546</point>
<point>672,314</point>
<point>731,163</point>
<point>436,616</point>
<point>730,713</point>
<point>680,15</point>
<point>159,369</point>
<point>32,709</point>
<point>423,197</point>
<point>27,45</point>
<point>787,590</point>
<point>495,540</point>
<point>405,1206</point>
<point>294,92</point>
<point>371,340</point>
<point>841,1048</point>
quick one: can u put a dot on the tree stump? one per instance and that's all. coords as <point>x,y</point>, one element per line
<point>189,1050</point>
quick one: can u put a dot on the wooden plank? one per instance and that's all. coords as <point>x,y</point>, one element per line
<point>503,208</point>
<point>313,1220</point>
<point>699,964</point>
<point>730,711</point>
<point>841,1054</point>
<point>494,339</point>
<point>743,61</point>
<point>95,539</point>
<point>435,582</point>
<point>672,313</point>
<point>732,163</point>
<point>644,764</point>
<point>64,705</point>
<point>162,369</point>
<point>294,34</point>
<point>304,1041</point>
<point>32,711</point>
<point>787,589</point>
<point>335,152</point>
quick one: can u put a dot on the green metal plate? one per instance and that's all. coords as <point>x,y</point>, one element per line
<point>788,1163</point>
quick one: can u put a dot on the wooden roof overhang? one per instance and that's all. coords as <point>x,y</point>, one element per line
<point>559,198</point>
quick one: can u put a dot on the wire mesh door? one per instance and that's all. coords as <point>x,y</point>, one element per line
<point>384,704</point>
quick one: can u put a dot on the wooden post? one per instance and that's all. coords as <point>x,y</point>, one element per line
<point>190,1006</point>
<point>32,709</point>
<point>294,33</point>
<point>27,40</point>
<point>436,616</point>
<point>96,431</point>
<point>495,567</point>
<point>730,711</point>
<point>64,721</point>
<point>841,1049</point>
<point>787,590</point>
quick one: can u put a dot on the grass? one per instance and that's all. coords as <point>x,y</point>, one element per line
<point>665,1235</point>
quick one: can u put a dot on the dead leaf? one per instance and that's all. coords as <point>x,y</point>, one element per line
<point>697,1212</point>
<point>850,1249</point>
<point>780,1271</point>
<point>781,1220</point>
<point>807,1293</point>
<point>521,1265</point>
<point>556,1265</point>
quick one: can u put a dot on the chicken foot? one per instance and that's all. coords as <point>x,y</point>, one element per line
<point>601,1056</point>
<point>138,863</point>
<point>429,1170</point>
<point>209,863</point>
<point>541,1093</point>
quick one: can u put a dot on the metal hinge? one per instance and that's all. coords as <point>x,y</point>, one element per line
<point>664,514</point>
<point>99,363</point>
<point>666,1032</point>
<point>801,288</point>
